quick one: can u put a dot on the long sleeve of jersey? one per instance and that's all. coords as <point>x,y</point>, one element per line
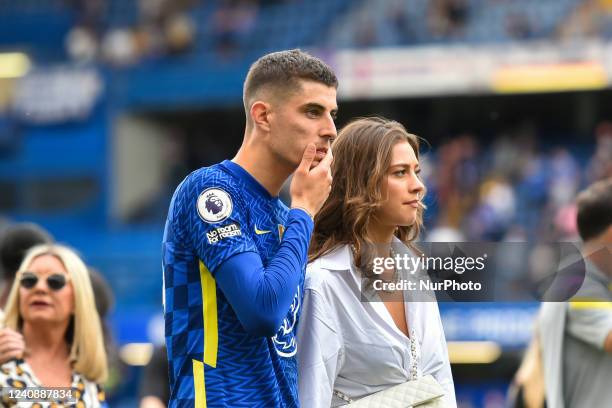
<point>261,295</point>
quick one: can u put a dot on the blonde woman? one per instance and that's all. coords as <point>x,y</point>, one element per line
<point>51,303</point>
<point>348,348</point>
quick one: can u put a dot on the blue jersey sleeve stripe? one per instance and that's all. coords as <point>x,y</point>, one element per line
<point>209,313</point>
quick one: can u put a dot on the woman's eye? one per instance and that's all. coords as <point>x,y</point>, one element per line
<point>400,173</point>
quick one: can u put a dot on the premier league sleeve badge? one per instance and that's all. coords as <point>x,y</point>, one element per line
<point>214,205</point>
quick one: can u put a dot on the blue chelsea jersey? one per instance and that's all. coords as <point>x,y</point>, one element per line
<point>215,213</point>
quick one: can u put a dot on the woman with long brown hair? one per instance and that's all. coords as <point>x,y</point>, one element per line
<point>351,344</point>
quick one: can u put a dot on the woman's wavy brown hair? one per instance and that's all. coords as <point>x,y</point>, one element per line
<point>362,156</point>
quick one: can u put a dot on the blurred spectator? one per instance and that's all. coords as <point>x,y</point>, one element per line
<point>154,390</point>
<point>527,389</point>
<point>120,47</point>
<point>166,26</point>
<point>52,304</point>
<point>447,18</point>
<point>600,165</point>
<point>577,336</point>
<point>400,23</point>
<point>518,26</point>
<point>231,22</point>
<point>364,32</point>
<point>443,233</point>
<point>81,45</point>
<point>82,41</point>
<point>457,177</point>
<point>103,294</point>
<point>585,22</point>
<point>90,14</point>
<point>105,300</point>
<point>493,215</point>
<point>15,242</point>
<point>564,177</point>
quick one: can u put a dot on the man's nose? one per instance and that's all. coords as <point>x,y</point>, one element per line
<point>329,130</point>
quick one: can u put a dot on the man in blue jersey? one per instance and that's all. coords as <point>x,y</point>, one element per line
<point>234,255</point>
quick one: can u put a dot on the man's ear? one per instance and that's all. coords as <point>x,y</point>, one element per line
<point>260,115</point>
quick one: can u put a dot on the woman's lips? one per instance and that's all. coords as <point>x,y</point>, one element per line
<point>413,203</point>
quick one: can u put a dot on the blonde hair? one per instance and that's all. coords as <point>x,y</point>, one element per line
<point>362,156</point>
<point>87,346</point>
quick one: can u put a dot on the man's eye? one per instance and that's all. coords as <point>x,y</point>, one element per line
<point>313,113</point>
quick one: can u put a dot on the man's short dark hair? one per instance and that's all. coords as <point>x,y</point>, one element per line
<point>595,209</point>
<point>17,240</point>
<point>283,70</point>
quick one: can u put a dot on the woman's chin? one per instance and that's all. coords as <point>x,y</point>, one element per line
<point>407,222</point>
<point>40,317</point>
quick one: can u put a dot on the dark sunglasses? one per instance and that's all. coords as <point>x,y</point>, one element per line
<point>54,282</point>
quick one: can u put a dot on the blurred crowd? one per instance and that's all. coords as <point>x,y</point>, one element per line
<point>125,33</point>
<point>160,28</point>
<point>516,189</point>
<point>400,22</point>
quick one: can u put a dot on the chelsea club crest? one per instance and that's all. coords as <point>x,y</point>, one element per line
<point>284,340</point>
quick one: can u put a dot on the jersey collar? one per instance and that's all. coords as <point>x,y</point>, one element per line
<point>237,171</point>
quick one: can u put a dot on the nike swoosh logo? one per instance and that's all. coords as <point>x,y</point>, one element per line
<point>261,232</point>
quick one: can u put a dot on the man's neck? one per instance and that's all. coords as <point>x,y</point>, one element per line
<point>263,166</point>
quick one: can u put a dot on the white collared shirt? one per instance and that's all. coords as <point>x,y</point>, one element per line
<point>355,347</point>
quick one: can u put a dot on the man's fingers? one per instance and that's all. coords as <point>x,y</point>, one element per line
<point>309,154</point>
